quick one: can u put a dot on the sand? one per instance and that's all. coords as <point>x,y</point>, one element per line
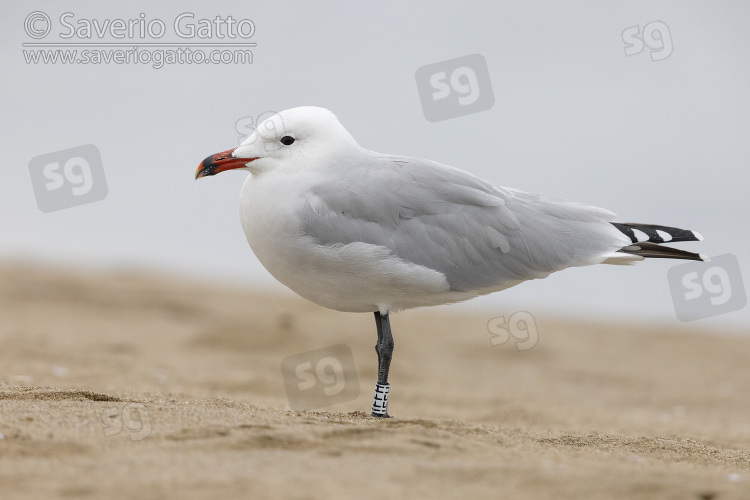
<point>127,385</point>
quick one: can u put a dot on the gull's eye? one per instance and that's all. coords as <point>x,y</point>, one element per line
<point>287,140</point>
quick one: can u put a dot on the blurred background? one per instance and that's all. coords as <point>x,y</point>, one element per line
<point>639,107</point>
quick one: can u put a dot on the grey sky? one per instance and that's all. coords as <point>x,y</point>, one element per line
<point>663,142</point>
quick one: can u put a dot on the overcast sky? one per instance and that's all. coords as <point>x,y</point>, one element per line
<point>661,136</point>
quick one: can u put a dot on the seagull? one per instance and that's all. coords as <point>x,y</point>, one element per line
<point>359,231</point>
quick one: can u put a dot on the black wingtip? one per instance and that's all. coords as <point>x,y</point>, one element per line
<point>655,234</point>
<point>650,250</point>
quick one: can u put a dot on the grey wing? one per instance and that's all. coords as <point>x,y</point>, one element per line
<point>478,235</point>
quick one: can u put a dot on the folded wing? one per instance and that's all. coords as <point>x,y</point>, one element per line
<point>478,235</point>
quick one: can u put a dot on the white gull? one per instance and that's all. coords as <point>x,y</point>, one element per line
<point>359,231</point>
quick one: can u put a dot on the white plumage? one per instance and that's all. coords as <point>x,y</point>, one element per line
<point>355,230</point>
<point>359,231</point>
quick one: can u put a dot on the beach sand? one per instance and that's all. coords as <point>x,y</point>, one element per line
<point>127,385</point>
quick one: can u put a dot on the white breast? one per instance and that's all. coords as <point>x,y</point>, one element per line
<point>357,277</point>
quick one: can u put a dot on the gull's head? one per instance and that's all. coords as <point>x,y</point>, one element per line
<point>288,139</point>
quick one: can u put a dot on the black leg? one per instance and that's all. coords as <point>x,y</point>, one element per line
<point>384,348</point>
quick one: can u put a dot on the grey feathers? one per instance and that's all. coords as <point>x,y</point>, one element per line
<point>478,235</point>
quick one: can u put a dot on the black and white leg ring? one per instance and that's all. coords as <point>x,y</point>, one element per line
<point>380,402</point>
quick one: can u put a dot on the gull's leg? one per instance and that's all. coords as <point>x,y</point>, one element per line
<point>384,348</point>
